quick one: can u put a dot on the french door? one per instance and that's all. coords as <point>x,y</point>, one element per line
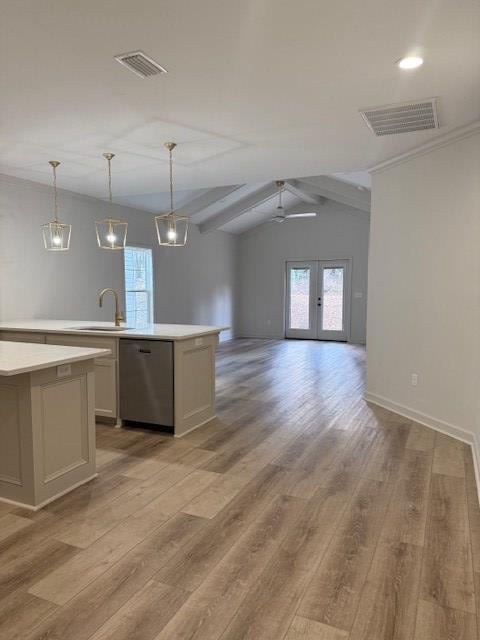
<point>317,301</point>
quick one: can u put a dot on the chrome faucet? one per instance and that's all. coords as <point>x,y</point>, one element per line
<point>118,314</point>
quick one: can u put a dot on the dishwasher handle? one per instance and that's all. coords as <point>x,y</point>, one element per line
<point>142,350</point>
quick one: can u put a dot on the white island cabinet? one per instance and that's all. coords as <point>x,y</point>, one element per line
<point>193,369</point>
<point>47,421</point>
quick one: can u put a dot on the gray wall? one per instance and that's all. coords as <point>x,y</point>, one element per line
<point>198,281</point>
<point>424,287</point>
<point>195,284</point>
<point>338,232</point>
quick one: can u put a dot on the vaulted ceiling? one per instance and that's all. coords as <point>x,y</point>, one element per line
<point>238,208</point>
<point>256,90</point>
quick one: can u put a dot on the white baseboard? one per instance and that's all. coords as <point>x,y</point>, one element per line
<point>433,423</point>
<point>248,334</point>
<point>265,336</point>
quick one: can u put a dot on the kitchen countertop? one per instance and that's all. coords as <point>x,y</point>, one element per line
<point>23,357</point>
<point>75,327</point>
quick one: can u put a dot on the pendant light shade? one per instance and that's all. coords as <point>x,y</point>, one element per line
<point>172,228</point>
<point>111,233</point>
<point>56,234</point>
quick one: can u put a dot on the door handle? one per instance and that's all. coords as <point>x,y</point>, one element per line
<point>144,351</point>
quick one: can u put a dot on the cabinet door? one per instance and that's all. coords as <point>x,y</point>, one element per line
<point>106,387</point>
<point>105,370</point>
<point>20,336</point>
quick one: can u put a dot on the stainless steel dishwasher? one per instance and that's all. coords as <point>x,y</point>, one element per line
<point>146,381</point>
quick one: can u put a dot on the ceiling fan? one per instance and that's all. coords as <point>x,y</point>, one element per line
<point>281,216</point>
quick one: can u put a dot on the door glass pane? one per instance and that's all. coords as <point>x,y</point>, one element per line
<point>300,298</point>
<point>332,316</point>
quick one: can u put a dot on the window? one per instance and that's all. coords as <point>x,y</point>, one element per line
<point>333,294</point>
<point>299,298</point>
<point>139,285</point>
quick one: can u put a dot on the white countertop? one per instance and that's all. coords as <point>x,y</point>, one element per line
<point>75,327</point>
<point>23,357</point>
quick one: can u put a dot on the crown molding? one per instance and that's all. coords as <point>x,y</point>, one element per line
<point>440,141</point>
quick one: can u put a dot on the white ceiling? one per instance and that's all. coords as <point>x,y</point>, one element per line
<point>256,90</point>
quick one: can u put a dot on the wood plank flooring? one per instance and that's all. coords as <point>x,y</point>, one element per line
<point>299,513</point>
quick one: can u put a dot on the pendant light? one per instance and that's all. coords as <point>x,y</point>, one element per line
<point>171,228</point>
<point>56,234</point>
<point>111,233</point>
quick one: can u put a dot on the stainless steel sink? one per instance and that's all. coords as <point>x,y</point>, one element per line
<point>93,328</point>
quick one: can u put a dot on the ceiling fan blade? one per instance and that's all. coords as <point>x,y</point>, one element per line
<point>302,215</point>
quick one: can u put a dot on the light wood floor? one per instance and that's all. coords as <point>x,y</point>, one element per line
<point>300,513</point>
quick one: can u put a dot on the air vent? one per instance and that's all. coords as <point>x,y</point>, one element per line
<point>402,118</point>
<point>140,64</point>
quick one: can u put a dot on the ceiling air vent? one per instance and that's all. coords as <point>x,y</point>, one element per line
<point>402,118</point>
<point>140,64</point>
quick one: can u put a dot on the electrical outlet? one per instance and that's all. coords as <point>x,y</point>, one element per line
<point>64,370</point>
<point>414,379</point>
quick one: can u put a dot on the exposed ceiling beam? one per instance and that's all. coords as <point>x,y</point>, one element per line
<point>205,200</point>
<point>255,199</point>
<point>242,191</point>
<point>337,190</point>
<point>294,187</point>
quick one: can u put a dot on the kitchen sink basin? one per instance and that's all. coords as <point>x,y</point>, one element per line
<point>99,328</point>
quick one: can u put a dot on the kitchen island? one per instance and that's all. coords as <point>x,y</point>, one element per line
<point>47,421</point>
<point>188,374</point>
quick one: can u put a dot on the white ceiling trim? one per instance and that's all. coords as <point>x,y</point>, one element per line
<point>440,141</point>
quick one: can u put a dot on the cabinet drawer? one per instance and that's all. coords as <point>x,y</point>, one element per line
<point>92,342</point>
<point>20,336</point>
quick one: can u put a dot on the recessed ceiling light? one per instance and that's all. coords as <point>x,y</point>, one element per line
<point>410,62</point>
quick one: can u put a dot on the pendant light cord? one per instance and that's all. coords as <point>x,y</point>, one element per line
<point>171,180</point>
<point>55,201</point>
<point>109,160</point>
<point>108,157</point>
